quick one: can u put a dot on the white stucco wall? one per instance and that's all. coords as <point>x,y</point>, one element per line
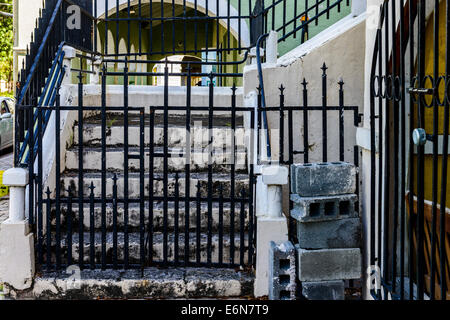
<point>341,47</point>
<point>25,14</point>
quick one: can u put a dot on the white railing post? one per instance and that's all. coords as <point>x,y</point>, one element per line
<point>272,48</point>
<point>69,54</point>
<point>95,78</point>
<point>272,223</point>
<point>17,180</point>
<point>16,240</point>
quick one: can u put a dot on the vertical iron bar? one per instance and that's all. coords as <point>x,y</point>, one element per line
<point>305,122</point>
<point>81,171</point>
<point>142,186</point>
<point>281,134</point>
<point>173,26</point>
<point>57,175</point>
<point>125,165</point>
<point>380,151</point>
<point>151,185</point>
<point>199,225</point>
<point>103,165</point>
<point>411,148</point>
<point>187,167</point>
<point>40,190</point>
<point>421,158</point>
<point>92,227</point>
<point>31,158</point>
<point>444,170</point>
<point>176,219</point>
<point>166,162</point>
<point>233,172</point>
<point>210,166</point>
<point>435,152</point>
<point>242,229</point>
<point>324,115</point>
<point>150,34</point>
<point>48,230</point>
<point>403,153</point>
<point>115,240</point>
<point>341,121</point>
<point>69,226</point>
<point>251,228</point>
<point>387,146</point>
<point>396,147</point>
<point>220,225</point>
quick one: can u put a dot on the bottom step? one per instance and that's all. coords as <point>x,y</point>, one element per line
<point>153,283</point>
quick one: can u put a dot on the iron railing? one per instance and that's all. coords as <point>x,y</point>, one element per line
<point>299,128</point>
<point>148,220</point>
<point>42,67</point>
<point>105,229</point>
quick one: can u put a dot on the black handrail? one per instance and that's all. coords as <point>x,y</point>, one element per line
<point>261,86</point>
<point>48,39</point>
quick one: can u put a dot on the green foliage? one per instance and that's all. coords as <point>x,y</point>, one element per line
<point>6,43</point>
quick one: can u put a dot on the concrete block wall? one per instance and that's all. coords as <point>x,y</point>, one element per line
<point>328,228</point>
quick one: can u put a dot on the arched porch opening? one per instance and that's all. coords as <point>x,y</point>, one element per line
<point>179,29</point>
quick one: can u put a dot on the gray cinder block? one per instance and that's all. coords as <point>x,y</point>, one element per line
<point>344,233</point>
<point>329,264</point>
<point>314,209</point>
<point>324,290</point>
<point>282,271</point>
<point>323,179</point>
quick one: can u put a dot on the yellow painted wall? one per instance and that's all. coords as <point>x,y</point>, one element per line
<point>429,70</point>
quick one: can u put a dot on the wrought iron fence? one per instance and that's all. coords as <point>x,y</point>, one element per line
<point>409,112</point>
<point>309,133</point>
<point>109,220</point>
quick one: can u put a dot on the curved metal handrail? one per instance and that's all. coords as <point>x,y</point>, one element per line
<point>263,97</point>
<point>37,59</point>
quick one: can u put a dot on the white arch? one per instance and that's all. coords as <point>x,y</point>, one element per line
<point>201,6</point>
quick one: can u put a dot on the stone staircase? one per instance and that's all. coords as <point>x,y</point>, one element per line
<point>223,226</point>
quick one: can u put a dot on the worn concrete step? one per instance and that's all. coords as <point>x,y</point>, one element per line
<point>116,118</point>
<point>148,96</point>
<point>151,283</point>
<point>221,160</point>
<point>177,134</point>
<point>134,184</point>
<point>134,247</point>
<point>134,217</point>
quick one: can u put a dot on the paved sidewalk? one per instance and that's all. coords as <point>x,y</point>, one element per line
<point>6,161</point>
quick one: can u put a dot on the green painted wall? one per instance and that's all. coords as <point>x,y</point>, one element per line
<point>290,12</point>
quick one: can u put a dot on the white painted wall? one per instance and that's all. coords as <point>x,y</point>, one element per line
<point>25,14</point>
<point>342,48</point>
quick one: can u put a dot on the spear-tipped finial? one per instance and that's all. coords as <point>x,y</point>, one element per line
<point>324,68</point>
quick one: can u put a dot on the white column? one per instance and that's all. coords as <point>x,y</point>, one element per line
<point>17,180</point>
<point>16,240</point>
<point>272,48</point>
<point>95,78</point>
<point>272,223</point>
<point>69,54</point>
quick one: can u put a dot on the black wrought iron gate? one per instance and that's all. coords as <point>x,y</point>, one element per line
<point>134,189</point>
<point>409,117</point>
